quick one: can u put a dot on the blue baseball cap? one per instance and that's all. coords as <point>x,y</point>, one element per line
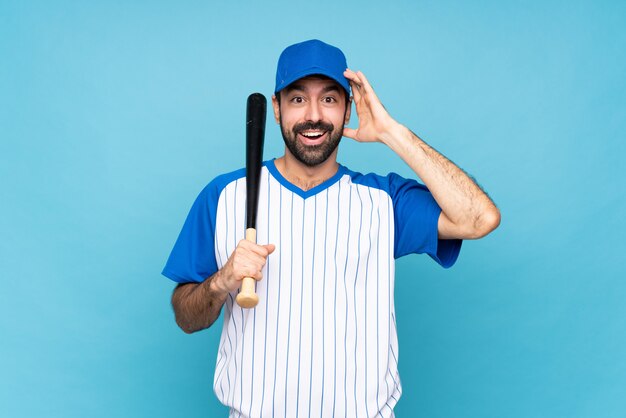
<point>312,57</point>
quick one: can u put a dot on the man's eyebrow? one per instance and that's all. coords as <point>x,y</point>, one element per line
<point>331,87</point>
<point>294,87</point>
<point>300,87</point>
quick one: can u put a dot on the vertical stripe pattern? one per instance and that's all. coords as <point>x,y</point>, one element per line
<point>322,340</point>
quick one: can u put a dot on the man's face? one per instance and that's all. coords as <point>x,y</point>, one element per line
<point>312,113</point>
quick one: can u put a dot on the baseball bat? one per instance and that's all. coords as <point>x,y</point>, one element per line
<point>255,136</point>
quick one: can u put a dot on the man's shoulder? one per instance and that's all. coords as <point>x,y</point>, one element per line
<point>388,182</point>
<point>215,187</point>
<point>225,179</point>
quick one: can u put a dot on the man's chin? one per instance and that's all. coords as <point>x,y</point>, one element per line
<point>312,155</point>
<point>310,160</point>
<point>313,142</point>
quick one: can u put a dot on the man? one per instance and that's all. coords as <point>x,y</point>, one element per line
<point>322,340</point>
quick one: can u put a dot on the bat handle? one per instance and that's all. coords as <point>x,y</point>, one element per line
<point>246,297</point>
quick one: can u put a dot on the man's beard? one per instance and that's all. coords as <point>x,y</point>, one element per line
<point>311,155</point>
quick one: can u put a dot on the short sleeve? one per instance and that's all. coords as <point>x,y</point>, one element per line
<point>416,216</point>
<point>193,257</point>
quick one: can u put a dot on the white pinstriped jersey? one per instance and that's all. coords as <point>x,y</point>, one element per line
<point>322,340</point>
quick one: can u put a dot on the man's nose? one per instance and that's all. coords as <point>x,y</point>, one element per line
<point>313,111</point>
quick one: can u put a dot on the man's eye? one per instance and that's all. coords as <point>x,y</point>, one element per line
<point>297,99</point>
<point>329,100</point>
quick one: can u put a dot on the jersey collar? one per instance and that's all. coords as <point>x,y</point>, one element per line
<point>271,166</point>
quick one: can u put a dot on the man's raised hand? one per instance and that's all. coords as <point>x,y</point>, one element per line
<point>374,121</point>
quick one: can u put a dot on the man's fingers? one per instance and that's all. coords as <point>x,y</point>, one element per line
<point>349,133</point>
<point>363,81</point>
<point>248,260</point>
<point>248,265</point>
<point>355,83</point>
<point>355,93</point>
<point>254,273</point>
<point>358,80</point>
<point>360,86</point>
<point>262,250</point>
<point>352,76</point>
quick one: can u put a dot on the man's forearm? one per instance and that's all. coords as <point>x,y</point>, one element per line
<point>197,305</point>
<point>462,201</point>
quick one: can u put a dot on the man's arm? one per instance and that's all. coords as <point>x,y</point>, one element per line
<point>466,210</point>
<point>198,305</point>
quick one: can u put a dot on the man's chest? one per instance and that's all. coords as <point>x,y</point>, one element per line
<point>343,227</point>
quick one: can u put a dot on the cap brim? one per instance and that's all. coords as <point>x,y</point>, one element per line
<point>342,81</point>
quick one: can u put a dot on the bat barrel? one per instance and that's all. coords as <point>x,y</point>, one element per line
<point>255,136</point>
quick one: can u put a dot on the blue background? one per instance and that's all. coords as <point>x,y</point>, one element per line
<point>114,115</point>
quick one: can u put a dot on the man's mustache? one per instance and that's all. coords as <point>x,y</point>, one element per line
<point>313,126</point>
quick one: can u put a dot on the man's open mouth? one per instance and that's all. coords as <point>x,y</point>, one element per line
<point>312,137</point>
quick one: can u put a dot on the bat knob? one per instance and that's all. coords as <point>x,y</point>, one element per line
<point>247,300</point>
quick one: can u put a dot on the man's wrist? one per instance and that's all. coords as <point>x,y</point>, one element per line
<point>214,286</point>
<point>394,133</point>
<point>397,137</point>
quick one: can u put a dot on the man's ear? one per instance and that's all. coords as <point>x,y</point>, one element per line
<point>276,108</point>
<point>348,111</point>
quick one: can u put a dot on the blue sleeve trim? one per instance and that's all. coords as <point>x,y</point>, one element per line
<point>448,252</point>
<point>416,218</point>
<point>444,251</point>
<point>192,259</point>
<point>176,278</point>
<point>370,180</point>
<point>416,215</point>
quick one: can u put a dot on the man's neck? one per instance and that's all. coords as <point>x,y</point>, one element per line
<point>303,176</point>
